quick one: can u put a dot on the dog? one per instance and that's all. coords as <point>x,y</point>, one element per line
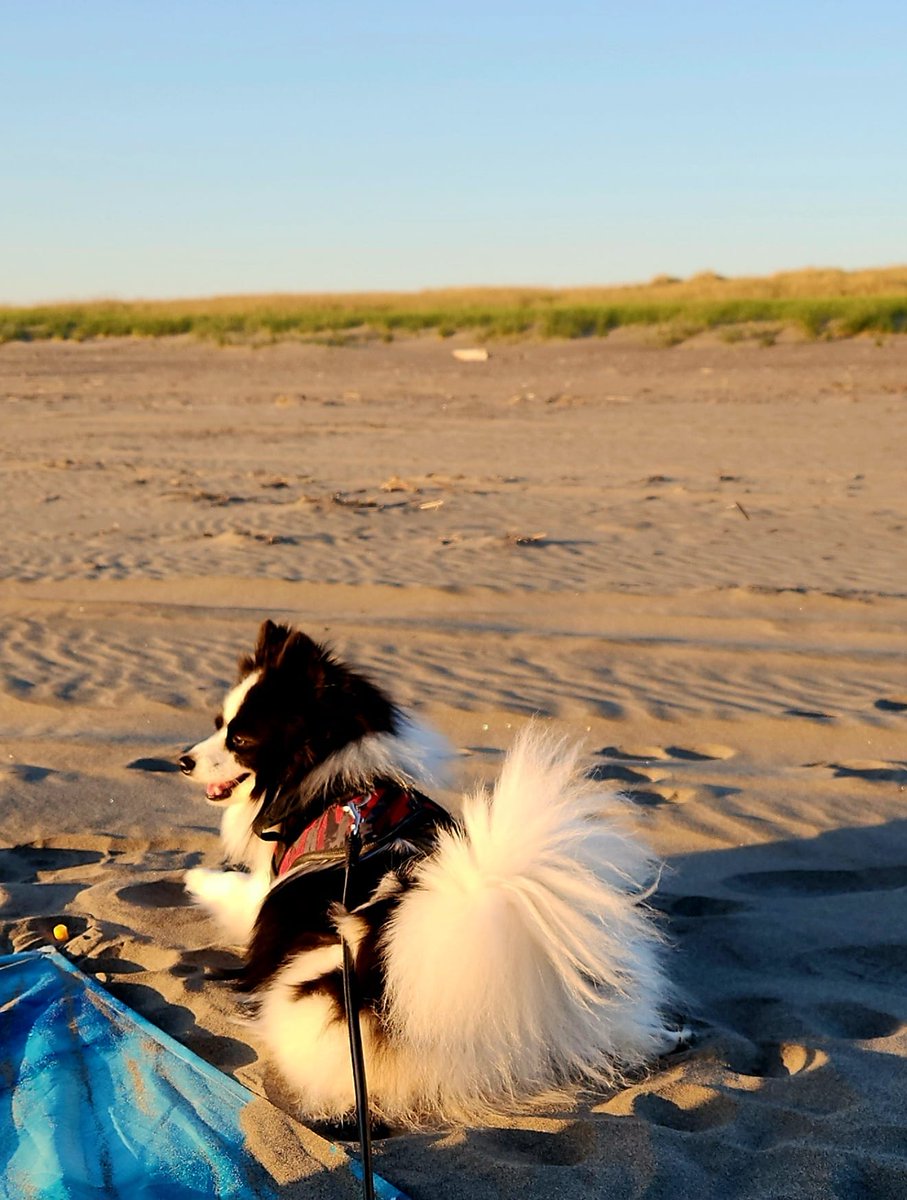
<point>501,954</point>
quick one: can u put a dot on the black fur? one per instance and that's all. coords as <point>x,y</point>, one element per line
<point>306,706</point>
<point>278,935</point>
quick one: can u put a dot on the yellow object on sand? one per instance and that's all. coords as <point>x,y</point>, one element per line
<point>61,933</point>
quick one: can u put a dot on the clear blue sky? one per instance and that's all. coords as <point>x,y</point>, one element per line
<point>155,148</point>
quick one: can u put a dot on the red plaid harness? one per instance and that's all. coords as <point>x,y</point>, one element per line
<point>386,813</point>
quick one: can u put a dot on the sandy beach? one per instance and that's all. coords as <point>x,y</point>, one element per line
<point>691,557</point>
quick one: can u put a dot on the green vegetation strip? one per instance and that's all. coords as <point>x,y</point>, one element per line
<point>547,315</point>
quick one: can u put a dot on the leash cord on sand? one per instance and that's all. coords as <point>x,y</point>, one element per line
<point>350,999</point>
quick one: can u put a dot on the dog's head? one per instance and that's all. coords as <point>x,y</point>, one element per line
<point>294,706</point>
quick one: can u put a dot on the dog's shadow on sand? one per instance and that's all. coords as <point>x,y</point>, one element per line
<point>796,942</point>
<point>790,958</point>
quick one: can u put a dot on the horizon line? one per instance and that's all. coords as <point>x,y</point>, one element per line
<point>659,280</point>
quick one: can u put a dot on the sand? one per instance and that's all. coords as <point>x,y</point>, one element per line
<point>691,557</point>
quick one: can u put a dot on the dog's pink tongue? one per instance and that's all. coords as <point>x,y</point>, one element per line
<point>213,790</point>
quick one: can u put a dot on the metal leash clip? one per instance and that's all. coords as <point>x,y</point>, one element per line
<point>355,812</point>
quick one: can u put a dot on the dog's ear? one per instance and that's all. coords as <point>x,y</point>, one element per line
<point>271,640</point>
<point>348,703</point>
<point>301,655</point>
<point>308,662</point>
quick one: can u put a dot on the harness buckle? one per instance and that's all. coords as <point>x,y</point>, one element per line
<point>354,808</point>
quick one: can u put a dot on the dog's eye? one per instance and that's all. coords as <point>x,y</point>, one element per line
<point>238,742</point>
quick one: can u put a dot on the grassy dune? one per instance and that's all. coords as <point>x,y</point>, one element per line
<point>827,303</point>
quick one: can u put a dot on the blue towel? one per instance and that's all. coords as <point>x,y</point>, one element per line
<point>96,1102</point>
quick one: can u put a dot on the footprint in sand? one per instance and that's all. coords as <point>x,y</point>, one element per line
<point>613,771</point>
<point>872,770</point>
<point>705,752</point>
<point>23,864</point>
<point>892,704</point>
<point>699,906</point>
<point>764,1019</point>
<point>29,772</point>
<point>688,1108</point>
<point>160,766</point>
<point>33,773</point>
<point>109,963</point>
<point>198,967</point>
<point>805,884</point>
<point>855,1022</point>
<point>44,901</point>
<point>655,797</point>
<point>761,1018</point>
<point>36,931</point>
<point>652,795</point>
<point>566,1147</point>
<point>31,886</point>
<point>884,964</point>
<point>651,786</point>
<point>159,893</point>
<point>634,753</point>
<point>774,1060</point>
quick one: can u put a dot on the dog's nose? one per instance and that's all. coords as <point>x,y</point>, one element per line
<point>187,764</point>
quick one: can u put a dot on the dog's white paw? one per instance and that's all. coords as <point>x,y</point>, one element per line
<point>675,1041</point>
<point>231,897</point>
<point>197,883</point>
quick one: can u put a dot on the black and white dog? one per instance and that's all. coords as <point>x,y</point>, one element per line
<point>500,954</point>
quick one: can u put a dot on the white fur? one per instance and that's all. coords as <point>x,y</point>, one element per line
<point>417,755</point>
<point>522,962</point>
<point>311,1046</point>
<point>232,898</point>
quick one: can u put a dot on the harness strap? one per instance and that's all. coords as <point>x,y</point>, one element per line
<point>351,1002</point>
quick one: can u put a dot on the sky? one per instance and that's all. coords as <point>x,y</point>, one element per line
<point>154,148</point>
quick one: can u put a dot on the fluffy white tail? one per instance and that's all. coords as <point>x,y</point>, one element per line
<point>523,960</point>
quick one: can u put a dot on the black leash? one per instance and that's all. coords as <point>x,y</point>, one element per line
<point>350,999</point>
